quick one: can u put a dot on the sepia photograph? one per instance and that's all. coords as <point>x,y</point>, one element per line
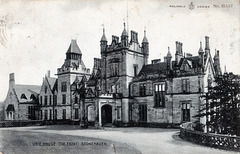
<point>119,77</point>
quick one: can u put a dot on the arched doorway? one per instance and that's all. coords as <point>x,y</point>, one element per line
<point>106,114</point>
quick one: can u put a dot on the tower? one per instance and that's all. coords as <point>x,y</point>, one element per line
<point>72,68</point>
<point>120,62</point>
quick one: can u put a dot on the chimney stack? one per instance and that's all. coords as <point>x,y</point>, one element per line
<point>207,43</point>
<point>177,48</point>
<point>48,73</point>
<point>180,47</point>
<point>134,37</point>
<point>11,80</point>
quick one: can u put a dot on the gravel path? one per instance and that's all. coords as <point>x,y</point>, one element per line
<point>146,140</point>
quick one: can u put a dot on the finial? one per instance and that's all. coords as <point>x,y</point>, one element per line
<point>103,29</point>
<point>168,49</point>
<point>145,31</point>
<point>200,43</point>
<point>124,24</point>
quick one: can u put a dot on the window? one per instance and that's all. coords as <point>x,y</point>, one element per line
<point>114,69</point>
<point>55,99</point>
<point>41,100</point>
<point>41,115</point>
<point>45,114</point>
<point>63,86</point>
<point>29,112</point>
<point>64,99</point>
<point>50,114</point>
<point>76,99</point>
<point>186,111</point>
<point>55,114</point>
<point>76,113</point>
<point>160,95</point>
<point>64,114</point>
<point>143,113</point>
<point>143,89</point>
<point>135,69</point>
<point>185,85</point>
<point>45,100</point>
<point>45,89</point>
<point>50,99</point>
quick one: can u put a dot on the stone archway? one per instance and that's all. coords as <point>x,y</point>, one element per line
<point>106,112</point>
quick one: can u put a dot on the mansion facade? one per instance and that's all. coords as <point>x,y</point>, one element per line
<point>123,89</point>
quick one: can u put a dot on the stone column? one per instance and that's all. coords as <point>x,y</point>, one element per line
<point>100,114</point>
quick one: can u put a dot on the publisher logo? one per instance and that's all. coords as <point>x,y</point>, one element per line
<point>191,6</point>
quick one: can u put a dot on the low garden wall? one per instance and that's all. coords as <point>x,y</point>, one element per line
<point>209,139</point>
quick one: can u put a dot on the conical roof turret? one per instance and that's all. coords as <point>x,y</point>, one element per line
<point>103,39</point>
<point>145,40</point>
<point>124,33</point>
<point>169,53</point>
<point>200,49</point>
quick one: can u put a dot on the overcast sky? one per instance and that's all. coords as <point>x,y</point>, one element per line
<point>38,33</point>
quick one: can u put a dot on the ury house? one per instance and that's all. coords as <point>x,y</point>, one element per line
<point>122,88</point>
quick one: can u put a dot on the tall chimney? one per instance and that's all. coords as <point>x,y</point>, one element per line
<point>11,80</point>
<point>180,47</point>
<point>207,43</point>
<point>176,47</point>
<point>48,73</point>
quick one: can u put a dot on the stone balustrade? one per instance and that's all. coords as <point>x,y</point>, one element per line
<point>209,139</point>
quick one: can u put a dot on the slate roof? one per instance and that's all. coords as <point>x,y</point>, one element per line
<point>27,90</point>
<point>73,48</point>
<point>195,61</point>
<point>155,68</point>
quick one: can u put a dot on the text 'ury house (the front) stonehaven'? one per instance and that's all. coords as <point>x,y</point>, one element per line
<point>122,88</point>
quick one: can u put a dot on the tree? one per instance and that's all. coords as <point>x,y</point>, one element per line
<point>222,107</point>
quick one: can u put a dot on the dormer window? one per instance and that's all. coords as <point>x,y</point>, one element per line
<point>23,96</point>
<point>32,97</point>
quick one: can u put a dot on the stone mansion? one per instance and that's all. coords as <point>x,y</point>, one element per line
<point>121,89</point>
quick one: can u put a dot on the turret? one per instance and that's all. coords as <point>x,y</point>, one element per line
<point>103,42</point>
<point>124,37</point>
<point>145,47</point>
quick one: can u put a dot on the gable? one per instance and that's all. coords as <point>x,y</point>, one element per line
<point>46,88</point>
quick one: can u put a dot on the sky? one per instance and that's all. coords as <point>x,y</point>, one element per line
<point>35,35</point>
